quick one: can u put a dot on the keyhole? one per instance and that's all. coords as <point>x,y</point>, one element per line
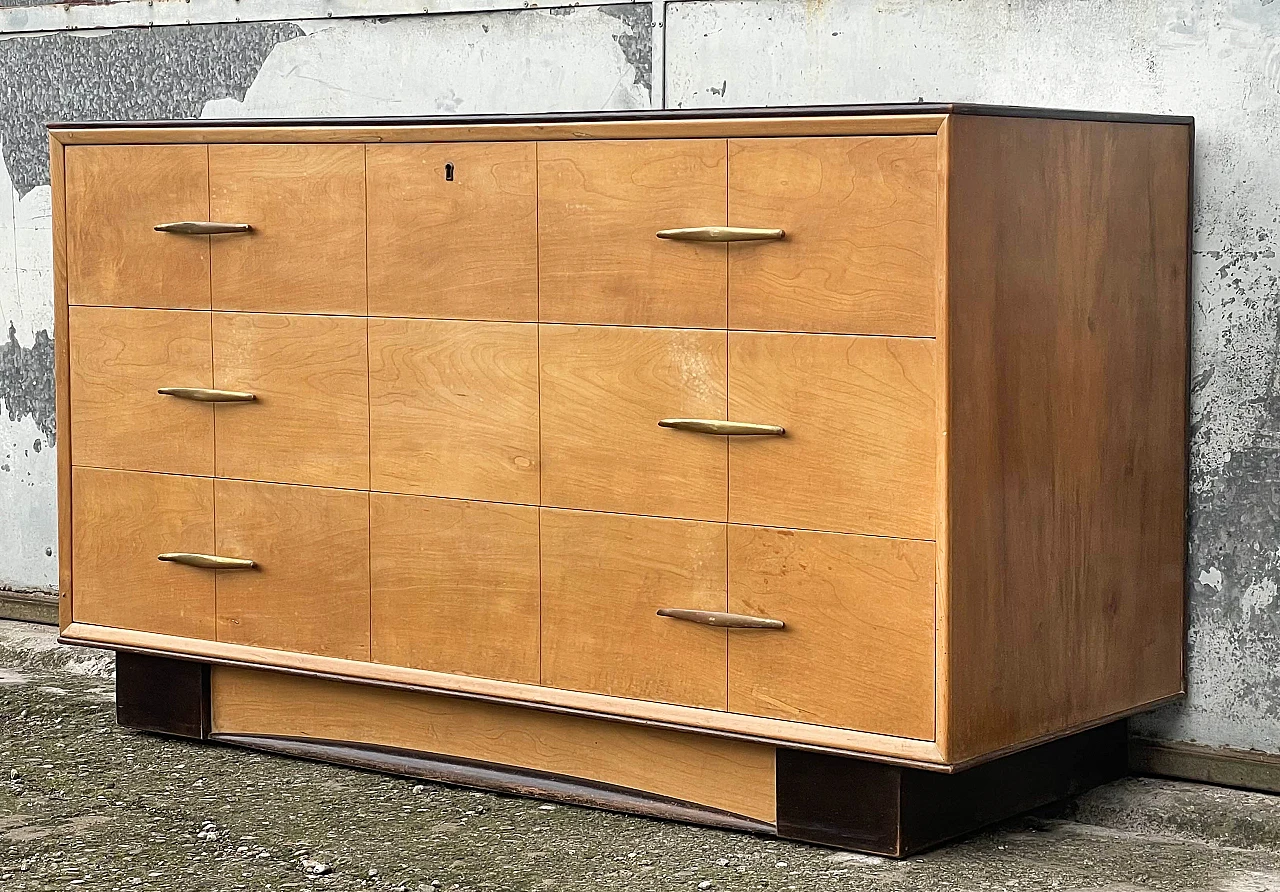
<point>448,171</point>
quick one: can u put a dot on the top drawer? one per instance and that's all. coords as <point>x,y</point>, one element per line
<point>303,251</point>
<point>561,231</point>
<point>860,217</point>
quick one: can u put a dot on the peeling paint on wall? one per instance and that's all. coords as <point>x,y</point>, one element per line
<point>637,41</point>
<point>26,381</point>
<point>130,74</point>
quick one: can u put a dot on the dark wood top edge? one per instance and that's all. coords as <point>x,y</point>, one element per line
<point>679,114</point>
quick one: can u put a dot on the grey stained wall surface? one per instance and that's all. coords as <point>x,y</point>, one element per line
<point>1216,59</point>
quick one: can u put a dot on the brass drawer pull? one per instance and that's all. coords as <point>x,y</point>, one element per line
<point>721,234</point>
<point>207,394</point>
<point>207,561</point>
<point>727,428</point>
<point>197,227</point>
<point>722,620</point>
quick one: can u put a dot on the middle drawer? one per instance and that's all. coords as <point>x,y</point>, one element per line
<point>628,420</point>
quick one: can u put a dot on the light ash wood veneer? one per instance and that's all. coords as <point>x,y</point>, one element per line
<point>455,586</point>
<point>453,409</point>
<point>460,248</point>
<point>600,205</point>
<point>121,521</point>
<point>119,360</point>
<point>115,197</point>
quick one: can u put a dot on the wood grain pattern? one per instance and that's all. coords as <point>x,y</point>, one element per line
<point>309,422</point>
<point>455,586</point>
<point>650,713</point>
<point>730,775</point>
<point>604,389</point>
<point>310,589</point>
<point>306,253</point>
<point>121,521</point>
<point>119,358</point>
<point>860,214</point>
<point>604,577</point>
<point>600,205</point>
<point>61,373</point>
<point>465,248</point>
<point>115,196</point>
<point>694,127</point>
<point>454,408</point>
<point>1068,426</point>
<point>859,452</point>
<point>857,650</point>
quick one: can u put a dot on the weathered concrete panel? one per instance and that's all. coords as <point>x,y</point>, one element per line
<point>1217,60</point>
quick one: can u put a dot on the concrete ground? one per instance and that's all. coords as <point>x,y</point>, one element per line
<point>85,804</point>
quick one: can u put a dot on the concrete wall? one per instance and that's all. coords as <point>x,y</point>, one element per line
<point>1216,59</point>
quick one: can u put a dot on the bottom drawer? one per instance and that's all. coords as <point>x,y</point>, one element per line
<point>857,650</point>
<point>308,590</point>
<point>120,521</point>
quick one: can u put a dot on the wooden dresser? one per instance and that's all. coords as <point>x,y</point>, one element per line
<point>817,472</point>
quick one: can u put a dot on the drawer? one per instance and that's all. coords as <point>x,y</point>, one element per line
<point>604,577</point>
<point>604,390</point>
<point>120,522</point>
<point>857,650</point>
<point>309,421</point>
<point>116,196</point>
<point>601,204</point>
<point>860,449</point>
<point>309,589</point>
<point>306,251</point>
<point>120,358</point>
<point>861,222</point>
<point>455,586</point>
<point>453,231</point>
<point>454,408</point>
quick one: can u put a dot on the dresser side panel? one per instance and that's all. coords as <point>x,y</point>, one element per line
<point>1067,362</point>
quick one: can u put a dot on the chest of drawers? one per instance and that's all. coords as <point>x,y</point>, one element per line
<point>757,469</point>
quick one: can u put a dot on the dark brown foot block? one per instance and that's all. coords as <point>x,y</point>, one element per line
<point>163,696</point>
<point>898,811</point>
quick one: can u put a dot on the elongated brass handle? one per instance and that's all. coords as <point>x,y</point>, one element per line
<point>722,620</point>
<point>199,227</point>
<point>207,561</point>
<point>207,394</point>
<point>727,428</point>
<point>721,234</point>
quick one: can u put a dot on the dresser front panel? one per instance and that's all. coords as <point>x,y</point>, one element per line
<point>454,408</point>
<point>860,450</point>
<point>601,204</point>
<point>453,231</point>
<point>860,215</point>
<point>120,358</point>
<point>309,590</point>
<point>309,421</point>
<point>121,522</point>
<point>604,390</point>
<point>116,196</point>
<point>604,577</point>
<point>460,469</point>
<point>306,251</point>
<point>455,586</point>
<point>857,648</point>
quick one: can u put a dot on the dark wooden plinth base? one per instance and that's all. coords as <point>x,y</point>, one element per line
<point>842,801</point>
<point>899,811</point>
<point>162,696</point>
